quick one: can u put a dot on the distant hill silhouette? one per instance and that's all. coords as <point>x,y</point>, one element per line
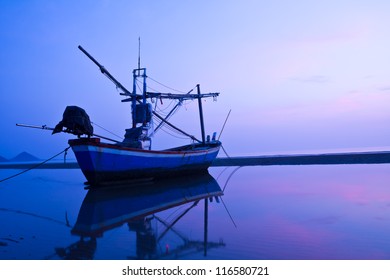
<point>2,159</point>
<point>24,156</point>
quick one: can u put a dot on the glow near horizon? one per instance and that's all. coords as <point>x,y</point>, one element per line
<point>297,75</point>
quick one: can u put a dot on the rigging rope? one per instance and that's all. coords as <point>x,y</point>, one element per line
<point>163,111</point>
<point>161,84</point>
<point>35,166</point>
<point>174,131</point>
<point>94,123</point>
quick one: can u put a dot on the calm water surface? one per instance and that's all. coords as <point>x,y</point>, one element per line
<point>276,212</point>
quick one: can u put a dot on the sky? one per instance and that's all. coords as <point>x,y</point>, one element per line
<point>297,75</point>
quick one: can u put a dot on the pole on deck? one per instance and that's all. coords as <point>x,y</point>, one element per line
<point>201,115</point>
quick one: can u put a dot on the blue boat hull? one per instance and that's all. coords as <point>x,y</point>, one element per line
<point>105,163</point>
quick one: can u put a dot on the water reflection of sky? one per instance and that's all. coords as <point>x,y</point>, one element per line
<point>281,212</point>
<point>312,212</point>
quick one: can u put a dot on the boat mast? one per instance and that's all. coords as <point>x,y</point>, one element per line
<point>139,52</point>
<point>139,72</point>
<point>201,114</point>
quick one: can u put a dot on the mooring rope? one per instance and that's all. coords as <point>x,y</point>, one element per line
<point>35,166</point>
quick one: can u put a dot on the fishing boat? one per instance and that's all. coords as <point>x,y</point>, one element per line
<point>133,158</point>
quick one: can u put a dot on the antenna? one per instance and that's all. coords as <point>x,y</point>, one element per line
<point>139,52</point>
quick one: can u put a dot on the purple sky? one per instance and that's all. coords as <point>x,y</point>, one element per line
<point>298,75</point>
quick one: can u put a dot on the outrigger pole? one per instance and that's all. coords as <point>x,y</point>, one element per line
<point>50,128</point>
<point>105,72</point>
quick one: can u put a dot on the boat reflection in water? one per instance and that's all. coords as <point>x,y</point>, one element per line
<point>136,204</point>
